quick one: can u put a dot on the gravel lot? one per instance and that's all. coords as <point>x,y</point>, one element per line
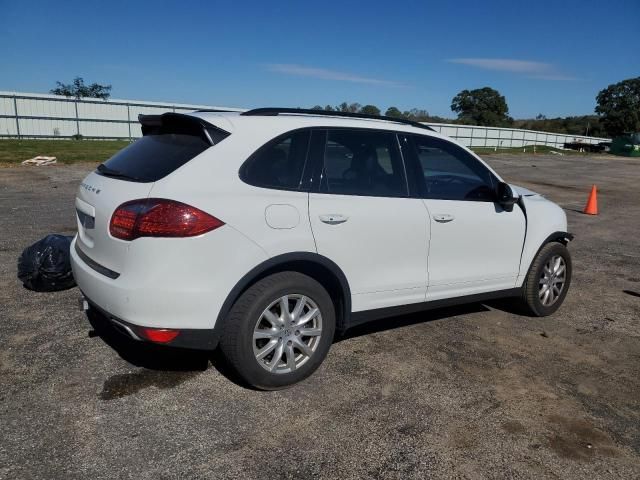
<point>471,392</point>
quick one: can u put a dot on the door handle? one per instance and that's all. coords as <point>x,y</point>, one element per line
<point>443,217</point>
<point>333,218</point>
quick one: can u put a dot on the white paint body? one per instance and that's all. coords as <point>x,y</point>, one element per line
<point>392,251</point>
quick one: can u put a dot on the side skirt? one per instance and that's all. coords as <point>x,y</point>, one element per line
<point>358,318</point>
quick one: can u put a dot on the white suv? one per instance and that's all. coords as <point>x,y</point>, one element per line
<point>265,232</point>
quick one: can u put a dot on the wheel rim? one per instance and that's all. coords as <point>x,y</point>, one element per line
<point>552,280</point>
<point>287,333</point>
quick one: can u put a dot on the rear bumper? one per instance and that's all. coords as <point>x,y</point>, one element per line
<point>190,338</point>
<point>166,283</point>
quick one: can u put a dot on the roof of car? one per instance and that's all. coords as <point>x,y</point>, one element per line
<point>290,119</point>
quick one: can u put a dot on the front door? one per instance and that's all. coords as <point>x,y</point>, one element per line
<point>475,244</point>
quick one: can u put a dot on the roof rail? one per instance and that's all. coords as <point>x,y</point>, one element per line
<point>327,113</point>
<point>217,110</point>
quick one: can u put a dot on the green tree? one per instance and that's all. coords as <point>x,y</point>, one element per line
<point>370,110</point>
<point>619,107</point>
<point>393,112</point>
<point>79,90</point>
<point>348,107</point>
<point>483,106</point>
<point>417,115</point>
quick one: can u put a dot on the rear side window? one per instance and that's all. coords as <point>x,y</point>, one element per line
<point>362,162</point>
<point>153,157</point>
<point>278,164</point>
<point>451,173</point>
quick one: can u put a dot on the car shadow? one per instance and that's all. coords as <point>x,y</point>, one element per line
<point>391,323</point>
<point>157,358</point>
<point>510,305</point>
<point>183,361</point>
<point>146,355</point>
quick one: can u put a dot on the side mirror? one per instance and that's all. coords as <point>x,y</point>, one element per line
<point>506,197</point>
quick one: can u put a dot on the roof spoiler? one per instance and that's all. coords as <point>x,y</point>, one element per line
<point>180,123</point>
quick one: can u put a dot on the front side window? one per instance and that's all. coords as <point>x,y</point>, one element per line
<point>278,164</point>
<point>362,162</point>
<point>451,173</point>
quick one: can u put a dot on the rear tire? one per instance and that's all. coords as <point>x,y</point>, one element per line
<point>279,331</point>
<point>548,280</point>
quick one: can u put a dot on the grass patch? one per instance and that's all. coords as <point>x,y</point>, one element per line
<point>95,151</point>
<point>66,151</point>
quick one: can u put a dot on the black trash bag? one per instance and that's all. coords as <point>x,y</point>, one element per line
<point>45,266</point>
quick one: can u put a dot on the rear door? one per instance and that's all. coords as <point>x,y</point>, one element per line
<point>475,244</point>
<point>363,219</point>
<point>130,175</point>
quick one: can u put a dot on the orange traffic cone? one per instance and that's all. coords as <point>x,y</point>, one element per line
<point>591,208</point>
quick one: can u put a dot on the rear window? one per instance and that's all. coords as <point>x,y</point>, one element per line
<point>153,157</point>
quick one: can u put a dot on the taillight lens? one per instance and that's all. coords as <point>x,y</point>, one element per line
<point>157,217</point>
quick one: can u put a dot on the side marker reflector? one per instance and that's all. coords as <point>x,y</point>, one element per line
<point>158,335</point>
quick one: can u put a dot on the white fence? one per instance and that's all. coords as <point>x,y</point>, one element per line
<point>30,115</point>
<point>494,137</point>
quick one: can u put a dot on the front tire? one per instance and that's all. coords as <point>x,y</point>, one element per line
<point>279,331</point>
<point>548,280</point>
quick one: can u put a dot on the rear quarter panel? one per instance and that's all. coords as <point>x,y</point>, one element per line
<point>211,183</point>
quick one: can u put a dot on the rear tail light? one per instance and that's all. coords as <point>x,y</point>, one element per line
<point>157,217</point>
<point>158,335</point>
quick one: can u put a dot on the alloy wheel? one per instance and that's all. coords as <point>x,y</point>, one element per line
<point>287,333</point>
<point>552,280</point>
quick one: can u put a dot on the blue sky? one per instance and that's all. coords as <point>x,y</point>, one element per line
<point>549,57</point>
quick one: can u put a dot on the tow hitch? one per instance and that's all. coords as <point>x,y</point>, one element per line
<point>83,304</point>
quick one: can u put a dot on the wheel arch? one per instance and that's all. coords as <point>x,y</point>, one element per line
<point>316,266</point>
<point>559,236</point>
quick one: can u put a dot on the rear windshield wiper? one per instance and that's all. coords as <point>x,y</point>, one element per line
<point>110,172</point>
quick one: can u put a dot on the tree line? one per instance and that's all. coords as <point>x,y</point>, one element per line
<point>618,112</point>
<point>618,109</point>
<point>415,114</point>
